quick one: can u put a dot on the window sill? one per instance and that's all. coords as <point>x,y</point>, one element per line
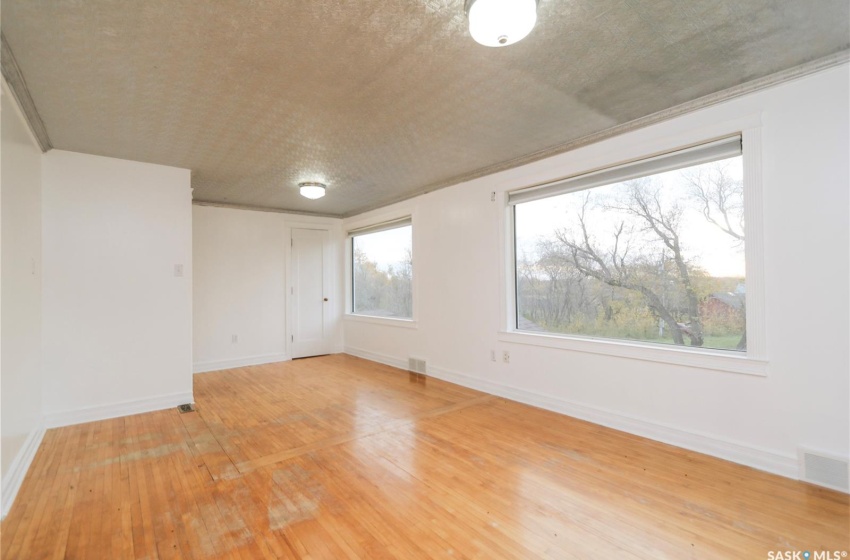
<point>386,321</point>
<point>705,359</point>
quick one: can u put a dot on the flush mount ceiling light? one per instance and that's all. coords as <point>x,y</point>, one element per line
<point>312,190</point>
<point>498,23</point>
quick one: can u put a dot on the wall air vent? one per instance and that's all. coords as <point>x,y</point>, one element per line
<point>416,365</point>
<point>824,470</point>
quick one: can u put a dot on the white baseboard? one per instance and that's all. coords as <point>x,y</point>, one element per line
<point>216,365</point>
<point>399,363</point>
<point>11,483</point>
<point>750,456</point>
<point>116,410</point>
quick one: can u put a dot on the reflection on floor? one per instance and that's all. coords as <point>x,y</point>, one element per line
<point>338,457</point>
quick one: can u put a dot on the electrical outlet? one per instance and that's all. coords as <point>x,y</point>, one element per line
<point>506,356</point>
<point>178,270</point>
<point>234,339</point>
<point>492,355</point>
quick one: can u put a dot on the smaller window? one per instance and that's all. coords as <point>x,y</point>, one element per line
<point>382,270</point>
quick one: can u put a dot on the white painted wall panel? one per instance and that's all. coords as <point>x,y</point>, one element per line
<point>117,320</point>
<point>239,285</point>
<point>20,247</point>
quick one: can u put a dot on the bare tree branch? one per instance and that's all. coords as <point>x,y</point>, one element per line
<point>643,201</point>
<point>721,198</point>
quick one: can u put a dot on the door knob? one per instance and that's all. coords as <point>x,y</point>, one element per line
<point>326,299</point>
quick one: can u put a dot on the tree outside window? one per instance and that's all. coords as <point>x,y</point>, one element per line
<point>657,259</point>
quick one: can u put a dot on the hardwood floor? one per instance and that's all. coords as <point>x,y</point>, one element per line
<point>338,457</point>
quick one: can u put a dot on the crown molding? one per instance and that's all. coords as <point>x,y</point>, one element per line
<point>263,209</point>
<point>20,91</point>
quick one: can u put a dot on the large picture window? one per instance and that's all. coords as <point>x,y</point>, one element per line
<point>650,251</point>
<point>382,270</point>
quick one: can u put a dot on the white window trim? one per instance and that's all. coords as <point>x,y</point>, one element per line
<point>755,361</point>
<point>646,351</point>
<point>373,220</point>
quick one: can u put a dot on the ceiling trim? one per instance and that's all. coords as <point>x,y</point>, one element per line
<point>20,91</point>
<point>263,209</point>
<point>805,69</point>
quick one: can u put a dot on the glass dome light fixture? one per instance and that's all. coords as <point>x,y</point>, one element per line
<point>499,23</point>
<point>311,190</point>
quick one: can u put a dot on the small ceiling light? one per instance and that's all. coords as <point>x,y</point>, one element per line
<point>312,190</point>
<point>498,23</point>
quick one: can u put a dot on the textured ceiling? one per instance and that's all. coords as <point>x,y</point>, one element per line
<point>380,99</point>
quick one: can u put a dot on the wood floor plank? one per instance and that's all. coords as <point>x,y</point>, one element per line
<point>338,457</point>
<point>344,438</point>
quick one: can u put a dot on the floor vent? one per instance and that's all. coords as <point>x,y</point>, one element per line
<point>824,470</point>
<point>184,408</point>
<point>416,365</point>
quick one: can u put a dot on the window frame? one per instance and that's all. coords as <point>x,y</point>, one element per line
<point>350,232</point>
<point>752,362</point>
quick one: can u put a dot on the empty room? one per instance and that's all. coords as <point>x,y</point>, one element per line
<point>413,279</point>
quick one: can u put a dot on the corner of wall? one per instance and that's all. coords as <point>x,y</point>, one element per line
<point>22,265</point>
<point>14,477</point>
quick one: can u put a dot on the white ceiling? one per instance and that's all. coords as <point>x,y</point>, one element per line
<point>380,99</point>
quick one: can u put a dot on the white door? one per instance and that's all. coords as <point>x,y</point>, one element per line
<point>310,292</point>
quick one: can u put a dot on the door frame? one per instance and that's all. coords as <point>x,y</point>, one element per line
<point>331,282</point>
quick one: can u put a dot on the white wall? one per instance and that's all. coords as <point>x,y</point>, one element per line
<point>240,264</point>
<point>117,321</point>
<point>20,363</point>
<point>803,400</point>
